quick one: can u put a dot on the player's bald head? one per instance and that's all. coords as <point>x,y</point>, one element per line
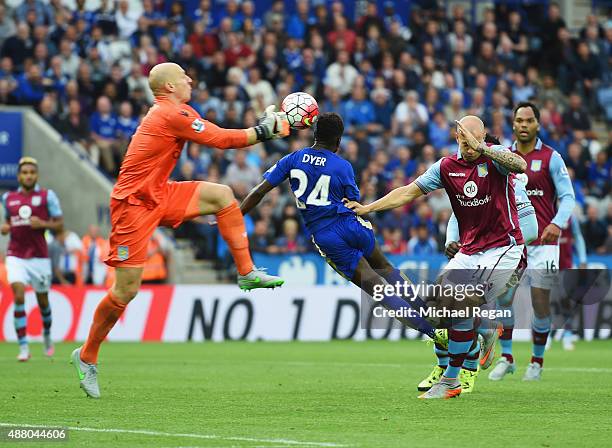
<point>475,125</point>
<point>161,74</point>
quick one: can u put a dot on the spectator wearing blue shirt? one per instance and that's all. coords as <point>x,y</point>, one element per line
<point>44,13</point>
<point>55,76</point>
<point>292,55</point>
<point>203,14</point>
<point>204,102</point>
<point>423,216</point>
<point>89,17</point>
<point>521,91</point>
<point>578,187</point>
<point>104,134</point>
<point>383,107</point>
<point>30,89</point>
<point>311,65</point>
<point>396,218</point>
<point>439,131</point>
<point>599,175</point>
<point>156,22</point>
<point>358,111</point>
<point>422,243</point>
<point>404,161</point>
<point>248,12</point>
<point>126,126</point>
<point>391,16</point>
<point>232,12</point>
<point>201,160</point>
<point>369,74</point>
<point>298,22</point>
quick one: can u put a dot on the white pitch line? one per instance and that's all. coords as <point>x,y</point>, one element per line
<point>341,364</point>
<point>389,365</point>
<point>580,369</point>
<point>171,434</point>
<point>226,446</point>
<point>408,364</point>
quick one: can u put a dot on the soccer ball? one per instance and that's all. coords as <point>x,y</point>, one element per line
<point>301,109</point>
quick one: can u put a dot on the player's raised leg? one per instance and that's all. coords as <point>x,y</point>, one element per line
<point>108,311</point>
<point>379,262</point>
<point>219,200</point>
<point>383,268</point>
<point>367,279</point>
<point>20,321</point>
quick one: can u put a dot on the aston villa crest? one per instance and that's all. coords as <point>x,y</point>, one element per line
<point>483,170</point>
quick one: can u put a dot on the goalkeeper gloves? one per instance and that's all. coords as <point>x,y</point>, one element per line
<point>272,125</point>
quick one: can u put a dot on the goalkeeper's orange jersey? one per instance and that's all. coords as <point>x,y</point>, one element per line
<point>157,145</point>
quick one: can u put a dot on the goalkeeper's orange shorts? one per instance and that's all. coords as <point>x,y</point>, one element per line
<point>133,224</point>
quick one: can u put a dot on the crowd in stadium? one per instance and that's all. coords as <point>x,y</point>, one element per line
<point>399,82</point>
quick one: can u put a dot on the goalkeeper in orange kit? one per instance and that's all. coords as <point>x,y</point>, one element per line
<point>143,198</point>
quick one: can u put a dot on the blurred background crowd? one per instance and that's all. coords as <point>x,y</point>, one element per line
<point>399,80</point>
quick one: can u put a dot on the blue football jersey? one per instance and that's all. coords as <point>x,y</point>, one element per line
<point>319,180</point>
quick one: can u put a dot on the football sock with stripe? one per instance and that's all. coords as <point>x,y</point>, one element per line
<point>505,339</point>
<point>45,313</point>
<point>471,359</point>
<point>20,323</point>
<point>540,330</point>
<point>460,338</point>
<point>442,355</point>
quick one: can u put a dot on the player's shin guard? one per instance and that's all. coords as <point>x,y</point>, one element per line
<point>232,229</point>
<point>442,355</point>
<point>20,323</point>
<point>106,315</point>
<point>45,313</point>
<point>540,330</point>
<point>460,337</point>
<point>505,339</point>
<point>471,359</point>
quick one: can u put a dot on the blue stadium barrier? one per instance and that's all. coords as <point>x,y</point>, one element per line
<point>11,146</point>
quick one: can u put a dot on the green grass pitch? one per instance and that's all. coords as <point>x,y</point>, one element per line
<point>272,395</point>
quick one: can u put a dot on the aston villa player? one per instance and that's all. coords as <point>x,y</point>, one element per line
<point>548,182</point>
<point>29,211</point>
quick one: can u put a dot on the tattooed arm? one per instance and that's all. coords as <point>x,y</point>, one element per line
<point>504,158</point>
<point>507,159</point>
